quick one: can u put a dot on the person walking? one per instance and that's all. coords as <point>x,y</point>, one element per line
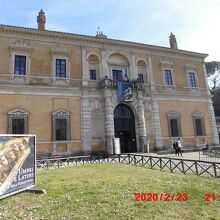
<point>180,146</point>
<point>175,147</point>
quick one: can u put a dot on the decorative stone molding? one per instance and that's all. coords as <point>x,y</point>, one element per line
<point>141,123</point>
<point>150,71</point>
<point>168,87</point>
<point>100,42</point>
<point>96,104</point>
<point>198,115</point>
<point>18,114</point>
<point>86,123</point>
<point>166,62</point>
<point>190,66</point>
<point>20,47</point>
<point>192,89</point>
<point>64,56</point>
<point>148,105</point>
<point>137,106</point>
<point>59,50</point>
<point>141,67</point>
<point>20,44</point>
<point>61,114</point>
<point>173,115</point>
<point>157,127</point>
<point>93,64</point>
<point>109,121</point>
<point>96,54</point>
<point>141,59</point>
<point>215,137</point>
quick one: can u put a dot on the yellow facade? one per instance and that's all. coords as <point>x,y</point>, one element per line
<point>89,104</point>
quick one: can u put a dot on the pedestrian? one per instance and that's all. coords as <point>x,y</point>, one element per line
<point>180,146</point>
<point>175,147</point>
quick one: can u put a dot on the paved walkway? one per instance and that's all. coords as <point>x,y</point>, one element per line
<point>188,155</point>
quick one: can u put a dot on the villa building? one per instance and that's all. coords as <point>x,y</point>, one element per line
<point>64,88</point>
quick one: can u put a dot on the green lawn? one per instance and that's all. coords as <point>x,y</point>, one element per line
<point>107,191</point>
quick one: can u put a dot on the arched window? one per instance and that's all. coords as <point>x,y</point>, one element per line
<point>142,71</point>
<point>61,126</point>
<point>119,67</point>
<point>199,125</point>
<point>17,122</point>
<point>174,124</point>
<point>94,70</point>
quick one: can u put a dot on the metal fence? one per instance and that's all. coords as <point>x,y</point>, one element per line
<point>210,156</point>
<point>185,166</point>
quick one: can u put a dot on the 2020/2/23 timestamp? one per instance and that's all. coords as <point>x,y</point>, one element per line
<point>166,197</point>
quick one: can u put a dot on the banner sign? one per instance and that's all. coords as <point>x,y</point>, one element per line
<point>125,93</point>
<point>17,163</point>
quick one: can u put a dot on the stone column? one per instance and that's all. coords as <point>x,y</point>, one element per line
<point>157,127</point>
<point>85,72</point>
<point>206,81</point>
<point>215,138</point>
<point>133,74</point>
<point>104,65</point>
<point>109,121</point>
<point>150,70</point>
<point>141,123</point>
<point>86,123</point>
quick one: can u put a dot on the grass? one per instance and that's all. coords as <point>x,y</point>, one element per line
<point>106,191</point>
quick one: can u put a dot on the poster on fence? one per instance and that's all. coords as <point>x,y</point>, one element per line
<point>17,163</point>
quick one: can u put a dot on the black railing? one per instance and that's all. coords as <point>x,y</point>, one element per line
<point>185,166</point>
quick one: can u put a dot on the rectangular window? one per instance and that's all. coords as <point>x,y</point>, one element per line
<point>93,74</point>
<point>61,129</point>
<point>192,79</point>
<point>199,127</point>
<point>20,65</point>
<point>174,128</point>
<point>116,74</point>
<point>168,77</point>
<point>141,77</point>
<point>60,68</point>
<point>17,126</point>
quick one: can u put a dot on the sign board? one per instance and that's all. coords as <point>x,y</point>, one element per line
<point>117,146</point>
<point>17,163</point>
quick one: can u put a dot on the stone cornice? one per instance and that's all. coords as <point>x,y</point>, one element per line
<point>85,40</point>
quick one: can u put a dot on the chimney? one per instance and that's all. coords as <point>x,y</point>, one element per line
<point>173,43</point>
<point>41,20</point>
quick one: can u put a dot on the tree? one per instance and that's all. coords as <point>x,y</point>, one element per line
<point>213,74</point>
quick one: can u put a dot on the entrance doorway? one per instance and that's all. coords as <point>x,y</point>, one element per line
<point>124,124</point>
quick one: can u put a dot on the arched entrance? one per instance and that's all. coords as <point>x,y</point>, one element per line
<point>124,124</point>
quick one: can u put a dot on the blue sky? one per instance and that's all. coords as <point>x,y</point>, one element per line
<point>194,22</point>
